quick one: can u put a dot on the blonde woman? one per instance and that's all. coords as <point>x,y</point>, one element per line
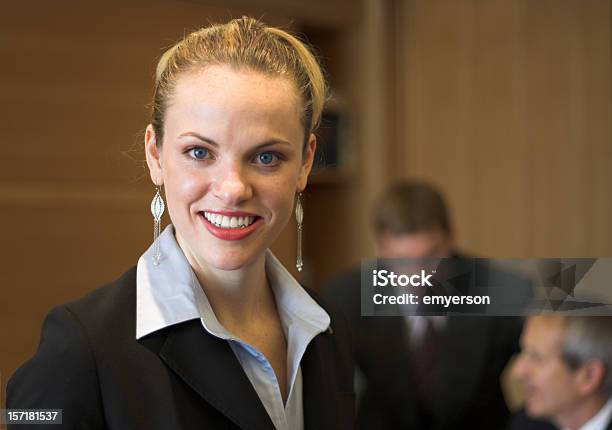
<point>209,330</point>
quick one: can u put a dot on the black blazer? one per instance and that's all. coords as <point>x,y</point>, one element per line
<point>90,364</point>
<point>475,350</point>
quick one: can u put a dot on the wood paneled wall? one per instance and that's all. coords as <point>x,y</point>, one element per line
<point>505,104</point>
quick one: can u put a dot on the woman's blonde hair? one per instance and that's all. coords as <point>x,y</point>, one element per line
<point>244,43</point>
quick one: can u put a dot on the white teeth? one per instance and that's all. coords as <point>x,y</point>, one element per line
<point>229,222</point>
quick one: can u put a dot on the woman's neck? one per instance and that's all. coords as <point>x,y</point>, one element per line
<point>238,297</point>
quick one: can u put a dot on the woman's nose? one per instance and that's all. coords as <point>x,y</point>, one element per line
<point>231,185</point>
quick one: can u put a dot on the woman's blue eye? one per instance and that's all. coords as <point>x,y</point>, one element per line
<point>267,158</point>
<point>199,153</point>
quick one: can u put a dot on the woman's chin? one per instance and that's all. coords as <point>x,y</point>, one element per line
<point>234,262</point>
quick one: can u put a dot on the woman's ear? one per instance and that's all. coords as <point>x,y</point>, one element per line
<point>153,154</point>
<point>307,161</point>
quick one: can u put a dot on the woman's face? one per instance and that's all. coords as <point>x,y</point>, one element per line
<point>231,162</point>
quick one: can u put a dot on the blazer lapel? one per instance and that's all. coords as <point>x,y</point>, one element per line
<point>318,391</point>
<point>209,366</point>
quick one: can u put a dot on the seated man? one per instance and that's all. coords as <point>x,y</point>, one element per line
<point>566,368</point>
<point>435,373</point>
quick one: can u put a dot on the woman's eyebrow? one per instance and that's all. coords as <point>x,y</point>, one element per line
<point>265,144</point>
<point>272,142</point>
<point>198,136</point>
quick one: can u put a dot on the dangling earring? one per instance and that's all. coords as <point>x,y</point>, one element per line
<point>157,210</point>
<point>299,217</point>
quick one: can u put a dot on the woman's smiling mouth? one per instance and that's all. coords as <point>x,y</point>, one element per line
<point>230,225</point>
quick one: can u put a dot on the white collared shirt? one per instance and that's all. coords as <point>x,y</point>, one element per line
<point>601,420</point>
<point>170,293</point>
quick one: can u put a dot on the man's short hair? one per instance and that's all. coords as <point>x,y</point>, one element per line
<point>410,207</point>
<point>586,339</point>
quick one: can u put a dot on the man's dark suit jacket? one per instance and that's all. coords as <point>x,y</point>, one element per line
<point>468,395</point>
<point>520,421</point>
<point>90,364</point>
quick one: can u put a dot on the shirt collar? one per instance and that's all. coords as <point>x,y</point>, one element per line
<point>164,293</point>
<point>170,293</point>
<point>292,301</point>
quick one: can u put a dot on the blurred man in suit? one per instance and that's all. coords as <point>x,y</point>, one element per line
<point>423,372</point>
<point>566,368</point>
